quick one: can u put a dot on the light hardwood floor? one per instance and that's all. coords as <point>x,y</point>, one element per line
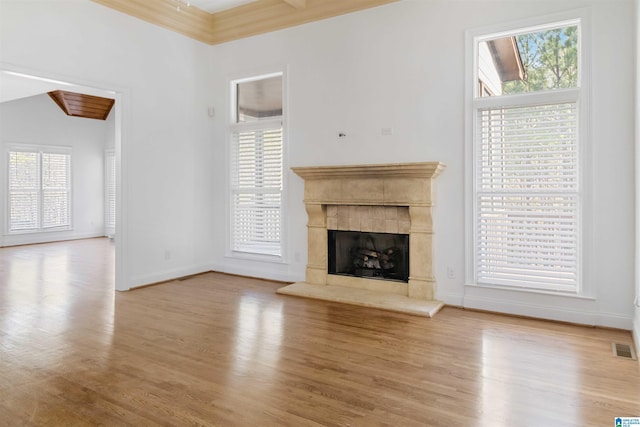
<point>223,350</point>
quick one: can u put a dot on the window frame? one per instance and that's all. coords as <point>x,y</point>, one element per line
<point>580,95</point>
<point>39,150</point>
<point>234,126</point>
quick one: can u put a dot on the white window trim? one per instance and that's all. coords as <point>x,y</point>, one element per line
<point>232,126</point>
<point>109,153</point>
<point>35,148</point>
<point>586,286</point>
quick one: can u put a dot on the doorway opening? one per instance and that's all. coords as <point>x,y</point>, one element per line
<point>18,83</point>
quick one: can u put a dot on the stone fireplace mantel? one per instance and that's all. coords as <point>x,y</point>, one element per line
<point>402,185</point>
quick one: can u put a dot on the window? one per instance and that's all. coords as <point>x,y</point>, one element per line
<point>526,158</point>
<point>257,165</point>
<point>39,189</point>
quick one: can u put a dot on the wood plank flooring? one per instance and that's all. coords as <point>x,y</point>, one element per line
<point>223,350</point>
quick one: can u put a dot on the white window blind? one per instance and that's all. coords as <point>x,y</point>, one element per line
<point>39,190</point>
<point>257,182</point>
<point>55,189</point>
<point>527,196</point>
<point>24,191</point>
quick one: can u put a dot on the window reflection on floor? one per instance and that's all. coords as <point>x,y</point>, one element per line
<point>506,392</point>
<point>43,293</point>
<point>258,336</point>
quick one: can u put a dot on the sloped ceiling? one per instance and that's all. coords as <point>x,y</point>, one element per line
<point>81,105</point>
<point>16,85</point>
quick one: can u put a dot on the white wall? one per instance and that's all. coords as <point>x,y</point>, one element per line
<point>402,66</point>
<point>110,137</point>
<point>636,323</point>
<point>164,80</point>
<point>38,120</point>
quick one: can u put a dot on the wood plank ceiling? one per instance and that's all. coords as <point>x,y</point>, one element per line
<point>258,17</point>
<point>81,105</point>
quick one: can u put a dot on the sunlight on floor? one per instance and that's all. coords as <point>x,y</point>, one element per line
<point>504,399</point>
<point>259,336</point>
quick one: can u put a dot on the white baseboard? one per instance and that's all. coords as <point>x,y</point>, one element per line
<point>164,276</point>
<point>456,300</point>
<point>147,279</point>
<point>563,314</point>
<point>258,273</point>
<point>35,238</point>
<point>636,330</point>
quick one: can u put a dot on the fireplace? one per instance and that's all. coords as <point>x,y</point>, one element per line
<point>383,256</point>
<point>370,203</point>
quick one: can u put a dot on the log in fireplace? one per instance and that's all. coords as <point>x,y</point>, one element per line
<point>372,255</point>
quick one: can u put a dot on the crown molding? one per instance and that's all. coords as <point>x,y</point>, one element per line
<point>247,20</point>
<point>189,21</point>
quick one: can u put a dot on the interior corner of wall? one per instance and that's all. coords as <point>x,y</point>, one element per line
<point>452,299</point>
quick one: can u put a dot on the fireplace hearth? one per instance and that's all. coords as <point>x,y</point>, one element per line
<point>368,202</point>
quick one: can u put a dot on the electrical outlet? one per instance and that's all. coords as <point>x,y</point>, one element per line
<point>167,254</point>
<point>451,273</point>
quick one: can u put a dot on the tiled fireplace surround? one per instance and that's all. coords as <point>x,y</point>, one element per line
<point>388,198</point>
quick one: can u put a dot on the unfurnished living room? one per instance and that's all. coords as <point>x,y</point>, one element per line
<point>319,212</point>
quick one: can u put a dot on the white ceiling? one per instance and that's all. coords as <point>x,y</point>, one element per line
<point>16,86</point>
<point>213,6</point>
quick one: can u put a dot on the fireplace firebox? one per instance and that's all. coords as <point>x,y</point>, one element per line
<point>382,256</point>
<point>370,199</point>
